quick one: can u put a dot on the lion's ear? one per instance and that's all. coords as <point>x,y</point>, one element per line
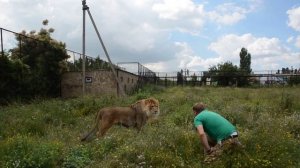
<point>151,101</point>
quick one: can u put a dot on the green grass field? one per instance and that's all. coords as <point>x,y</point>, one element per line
<point>46,133</point>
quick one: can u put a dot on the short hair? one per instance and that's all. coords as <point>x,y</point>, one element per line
<point>198,107</point>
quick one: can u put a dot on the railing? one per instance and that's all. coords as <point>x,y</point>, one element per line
<point>8,41</point>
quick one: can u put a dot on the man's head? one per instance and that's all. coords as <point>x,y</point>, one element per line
<point>198,107</point>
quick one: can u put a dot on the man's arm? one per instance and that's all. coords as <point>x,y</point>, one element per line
<point>203,138</point>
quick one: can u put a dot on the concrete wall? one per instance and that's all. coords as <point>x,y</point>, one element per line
<point>102,82</point>
<point>128,80</point>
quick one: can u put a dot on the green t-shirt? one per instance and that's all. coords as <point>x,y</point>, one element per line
<point>216,126</point>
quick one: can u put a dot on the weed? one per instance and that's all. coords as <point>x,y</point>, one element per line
<point>47,133</point>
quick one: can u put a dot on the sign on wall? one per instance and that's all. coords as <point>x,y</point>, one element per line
<point>88,79</point>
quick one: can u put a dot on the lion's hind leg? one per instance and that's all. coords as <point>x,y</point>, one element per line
<point>103,127</point>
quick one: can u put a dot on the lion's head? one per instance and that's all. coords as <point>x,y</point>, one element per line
<point>150,106</point>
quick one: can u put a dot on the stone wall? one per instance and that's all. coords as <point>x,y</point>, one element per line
<point>98,83</point>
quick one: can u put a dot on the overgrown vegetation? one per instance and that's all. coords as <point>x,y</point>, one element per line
<point>34,67</point>
<point>46,133</point>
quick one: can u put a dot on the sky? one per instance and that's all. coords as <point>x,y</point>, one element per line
<point>169,35</point>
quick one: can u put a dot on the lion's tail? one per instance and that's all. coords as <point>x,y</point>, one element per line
<point>95,129</point>
<point>89,135</point>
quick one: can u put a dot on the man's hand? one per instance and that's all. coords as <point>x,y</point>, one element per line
<point>212,150</point>
<point>208,152</point>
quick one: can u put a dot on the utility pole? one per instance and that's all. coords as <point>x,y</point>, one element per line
<point>84,8</point>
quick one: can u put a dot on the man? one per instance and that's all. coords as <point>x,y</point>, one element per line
<point>214,130</point>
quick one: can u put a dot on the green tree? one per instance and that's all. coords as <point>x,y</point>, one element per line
<point>46,59</point>
<point>245,67</point>
<point>13,77</point>
<point>225,74</point>
<point>180,78</point>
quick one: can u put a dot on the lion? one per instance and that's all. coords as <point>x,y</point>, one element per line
<point>136,115</point>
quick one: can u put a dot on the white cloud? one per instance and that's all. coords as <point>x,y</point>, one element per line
<point>159,66</point>
<point>266,47</point>
<point>184,15</point>
<point>228,14</point>
<point>144,41</point>
<point>294,18</point>
<point>173,11</point>
<point>185,58</point>
<point>255,4</point>
<point>290,39</point>
<point>187,16</point>
<point>297,43</point>
<point>188,59</point>
<point>266,53</point>
<point>229,46</point>
<point>138,26</point>
<point>141,30</point>
<point>5,12</point>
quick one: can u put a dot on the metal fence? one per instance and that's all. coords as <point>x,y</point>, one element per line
<point>256,78</point>
<point>8,40</point>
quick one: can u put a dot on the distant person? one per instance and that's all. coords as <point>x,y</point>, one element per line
<point>216,133</point>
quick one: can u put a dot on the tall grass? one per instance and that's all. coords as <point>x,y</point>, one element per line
<point>47,133</point>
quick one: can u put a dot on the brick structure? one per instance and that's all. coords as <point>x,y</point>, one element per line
<point>98,82</point>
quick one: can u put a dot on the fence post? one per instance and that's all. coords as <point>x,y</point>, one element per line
<point>74,66</point>
<point>166,82</point>
<point>2,51</point>
<point>20,46</point>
